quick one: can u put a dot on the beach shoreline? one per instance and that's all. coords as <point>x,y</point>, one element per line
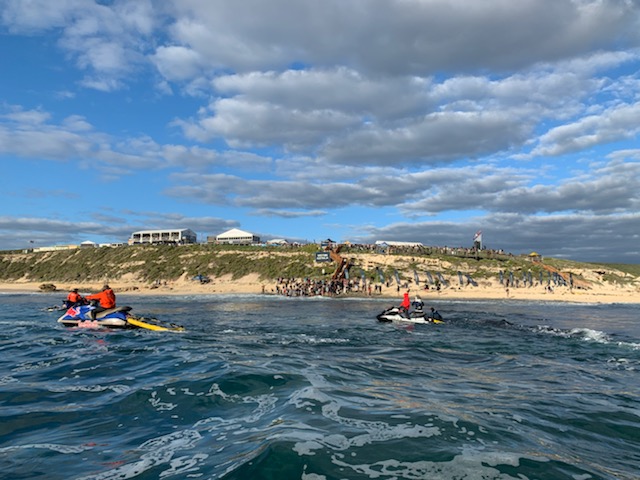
<point>252,285</point>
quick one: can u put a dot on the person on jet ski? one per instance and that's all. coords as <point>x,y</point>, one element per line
<point>417,303</point>
<point>435,315</point>
<point>104,300</point>
<point>74,299</point>
<point>406,304</point>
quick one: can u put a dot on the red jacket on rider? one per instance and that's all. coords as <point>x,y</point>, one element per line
<point>106,298</point>
<point>406,303</point>
<point>74,297</point>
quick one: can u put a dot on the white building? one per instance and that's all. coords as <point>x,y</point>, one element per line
<point>179,236</point>
<point>236,236</point>
<point>277,242</point>
<point>55,248</point>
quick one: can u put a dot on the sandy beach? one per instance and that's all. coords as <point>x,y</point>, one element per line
<point>251,284</point>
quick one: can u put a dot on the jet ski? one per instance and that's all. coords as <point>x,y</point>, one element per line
<point>118,317</point>
<point>400,315</point>
<point>80,316</point>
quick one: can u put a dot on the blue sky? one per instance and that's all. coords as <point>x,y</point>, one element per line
<point>357,120</point>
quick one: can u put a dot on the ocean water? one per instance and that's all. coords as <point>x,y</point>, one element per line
<point>263,387</point>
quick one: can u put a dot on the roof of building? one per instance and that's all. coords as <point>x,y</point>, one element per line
<point>164,230</point>
<point>235,233</point>
<point>281,241</point>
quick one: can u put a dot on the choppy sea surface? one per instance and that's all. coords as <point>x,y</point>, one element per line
<point>263,387</point>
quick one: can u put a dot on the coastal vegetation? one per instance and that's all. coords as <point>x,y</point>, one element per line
<point>167,263</point>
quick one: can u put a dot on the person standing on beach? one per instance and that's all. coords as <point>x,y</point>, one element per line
<point>105,300</point>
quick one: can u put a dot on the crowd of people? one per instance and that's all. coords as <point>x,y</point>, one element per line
<point>427,250</point>
<point>307,287</point>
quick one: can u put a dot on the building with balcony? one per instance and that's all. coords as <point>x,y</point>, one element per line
<point>180,236</point>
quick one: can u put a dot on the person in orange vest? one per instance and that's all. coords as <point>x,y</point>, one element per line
<point>406,303</point>
<point>105,300</point>
<point>74,298</point>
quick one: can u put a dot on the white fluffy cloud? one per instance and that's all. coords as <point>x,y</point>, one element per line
<point>521,115</point>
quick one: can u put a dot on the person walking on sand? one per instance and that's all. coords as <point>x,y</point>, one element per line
<point>105,300</point>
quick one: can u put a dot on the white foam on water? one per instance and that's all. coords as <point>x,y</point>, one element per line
<point>311,476</point>
<point>590,335</point>
<point>182,439</point>
<point>475,466</point>
<point>161,450</point>
<point>8,379</point>
<point>586,334</point>
<point>312,340</point>
<point>624,364</point>
<point>184,465</point>
<point>373,431</point>
<point>159,404</point>
<point>631,345</point>
<point>48,446</point>
<point>264,405</point>
<point>89,388</point>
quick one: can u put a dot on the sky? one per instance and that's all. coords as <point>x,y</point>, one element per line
<point>356,120</point>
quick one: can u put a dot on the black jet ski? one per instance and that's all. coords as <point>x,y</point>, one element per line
<point>400,315</point>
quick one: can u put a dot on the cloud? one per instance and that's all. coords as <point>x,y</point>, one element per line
<point>106,41</point>
<point>572,236</point>
<point>400,37</point>
<point>177,63</point>
<point>484,112</point>
<point>28,134</point>
<point>613,124</point>
<point>282,213</point>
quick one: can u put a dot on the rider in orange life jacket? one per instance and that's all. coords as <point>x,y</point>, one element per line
<point>106,299</point>
<point>74,298</point>
<point>406,303</point>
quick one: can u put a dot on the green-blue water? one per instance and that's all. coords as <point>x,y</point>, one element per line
<point>316,389</point>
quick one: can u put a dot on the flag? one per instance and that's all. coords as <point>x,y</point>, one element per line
<point>478,236</point>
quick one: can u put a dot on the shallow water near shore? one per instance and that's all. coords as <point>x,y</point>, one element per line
<point>263,387</point>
